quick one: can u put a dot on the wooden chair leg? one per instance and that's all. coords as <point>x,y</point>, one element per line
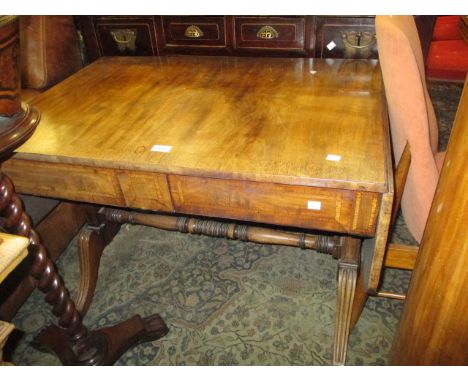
<point>348,269</point>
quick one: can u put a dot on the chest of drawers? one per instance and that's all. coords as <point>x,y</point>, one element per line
<point>287,36</point>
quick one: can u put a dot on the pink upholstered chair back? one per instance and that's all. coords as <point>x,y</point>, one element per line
<point>412,117</point>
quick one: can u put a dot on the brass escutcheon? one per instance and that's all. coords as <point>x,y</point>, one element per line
<point>267,32</point>
<point>193,31</point>
<point>358,43</point>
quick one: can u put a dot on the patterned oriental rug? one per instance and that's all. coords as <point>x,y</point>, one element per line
<point>229,302</point>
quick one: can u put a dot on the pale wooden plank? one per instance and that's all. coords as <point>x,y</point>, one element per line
<point>13,249</point>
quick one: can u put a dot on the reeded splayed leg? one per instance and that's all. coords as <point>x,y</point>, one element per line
<point>360,299</point>
<point>348,269</point>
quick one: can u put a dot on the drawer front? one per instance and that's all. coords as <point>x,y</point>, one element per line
<point>296,206</point>
<point>98,185</point>
<point>269,33</point>
<point>145,190</point>
<point>334,210</point>
<point>349,37</point>
<point>72,182</point>
<point>186,34</point>
<point>126,37</point>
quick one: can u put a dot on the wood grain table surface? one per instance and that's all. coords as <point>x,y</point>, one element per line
<point>259,119</point>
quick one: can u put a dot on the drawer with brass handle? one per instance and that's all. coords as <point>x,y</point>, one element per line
<point>185,34</point>
<point>267,32</point>
<point>349,37</point>
<point>125,39</point>
<point>194,31</point>
<point>280,34</point>
<point>358,44</point>
<point>126,36</point>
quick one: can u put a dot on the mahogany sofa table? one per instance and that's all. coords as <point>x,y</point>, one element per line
<point>287,142</point>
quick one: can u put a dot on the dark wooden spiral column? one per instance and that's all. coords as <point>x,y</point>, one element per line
<point>17,123</point>
<point>83,348</point>
<point>70,340</point>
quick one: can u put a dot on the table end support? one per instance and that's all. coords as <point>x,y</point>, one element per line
<point>91,243</point>
<point>109,343</point>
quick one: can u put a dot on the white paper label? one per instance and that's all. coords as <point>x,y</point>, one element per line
<point>161,148</point>
<point>333,157</point>
<point>314,205</point>
<point>331,45</point>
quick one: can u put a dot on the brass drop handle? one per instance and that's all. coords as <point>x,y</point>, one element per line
<point>193,31</point>
<point>124,38</point>
<point>358,40</point>
<point>267,32</point>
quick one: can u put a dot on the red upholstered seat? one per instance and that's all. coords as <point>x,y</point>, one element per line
<point>446,28</point>
<point>448,53</point>
<point>448,60</point>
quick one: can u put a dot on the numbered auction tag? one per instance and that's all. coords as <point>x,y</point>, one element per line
<point>333,157</point>
<point>314,205</point>
<point>331,45</point>
<point>161,148</point>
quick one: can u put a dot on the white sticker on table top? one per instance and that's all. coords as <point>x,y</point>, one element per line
<point>314,205</point>
<point>331,45</point>
<point>161,148</point>
<point>333,157</point>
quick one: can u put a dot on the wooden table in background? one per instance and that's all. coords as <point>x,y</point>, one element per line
<point>288,142</point>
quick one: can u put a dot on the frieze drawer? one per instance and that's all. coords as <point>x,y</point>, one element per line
<point>193,33</point>
<point>280,204</point>
<point>274,34</point>
<point>346,37</point>
<point>126,36</point>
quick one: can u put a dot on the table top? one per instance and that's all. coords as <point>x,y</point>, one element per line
<point>284,120</point>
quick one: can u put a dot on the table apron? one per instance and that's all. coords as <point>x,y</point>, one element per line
<point>326,209</point>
